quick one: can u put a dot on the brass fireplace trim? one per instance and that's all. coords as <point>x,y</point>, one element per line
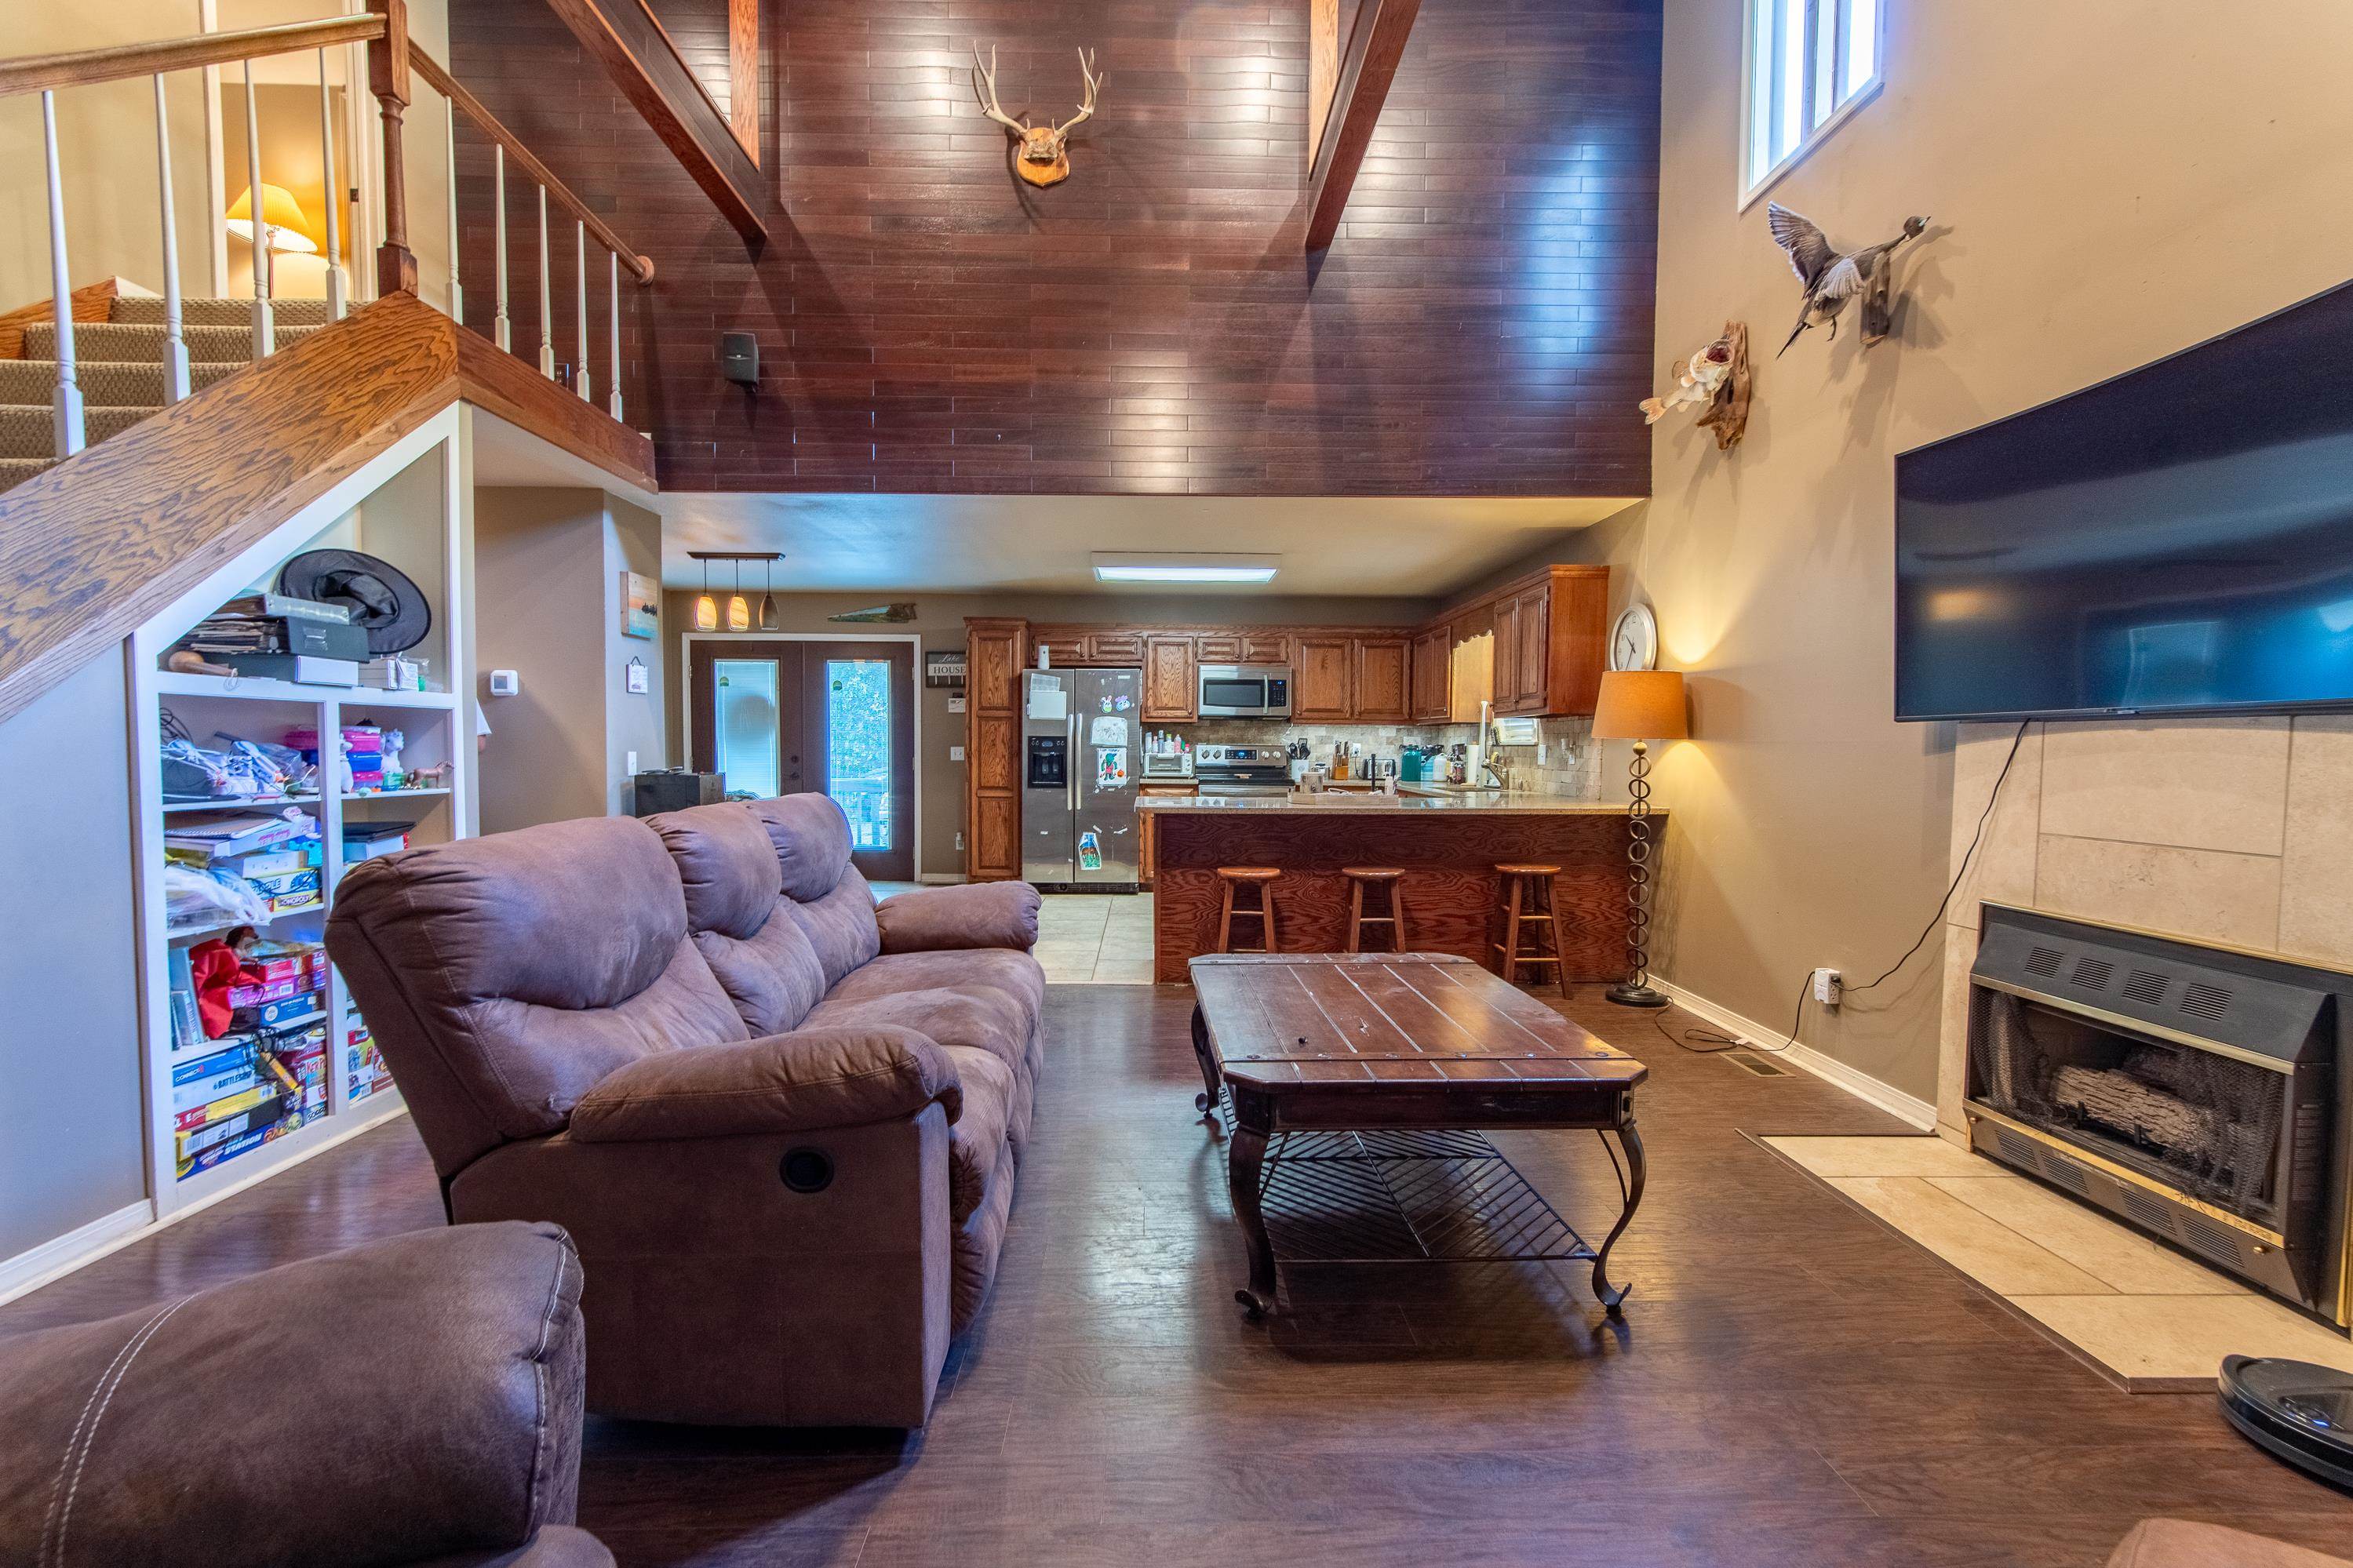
<point>2127,1174</point>
<point>2140,1026</point>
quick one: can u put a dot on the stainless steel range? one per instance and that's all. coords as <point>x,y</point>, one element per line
<point>1241,770</point>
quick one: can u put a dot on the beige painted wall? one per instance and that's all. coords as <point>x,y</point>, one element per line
<point>940,619</point>
<point>547,574</point>
<point>2121,178</point>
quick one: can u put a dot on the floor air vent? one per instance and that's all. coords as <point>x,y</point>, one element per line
<point>1751,1062</point>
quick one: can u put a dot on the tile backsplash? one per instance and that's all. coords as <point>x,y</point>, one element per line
<point>1571,765</point>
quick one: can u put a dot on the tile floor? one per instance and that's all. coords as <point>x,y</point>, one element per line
<point>2154,1320</point>
<point>1096,939</point>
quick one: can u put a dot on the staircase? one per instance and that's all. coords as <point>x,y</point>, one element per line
<point>118,365</point>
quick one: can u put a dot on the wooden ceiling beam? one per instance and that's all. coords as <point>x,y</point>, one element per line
<point>1376,44</point>
<point>624,37</point>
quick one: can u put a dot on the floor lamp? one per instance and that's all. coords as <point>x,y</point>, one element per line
<point>1641,706</point>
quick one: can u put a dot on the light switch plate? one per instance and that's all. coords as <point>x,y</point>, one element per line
<point>630,766</point>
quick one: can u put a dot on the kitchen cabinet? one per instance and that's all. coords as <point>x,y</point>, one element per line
<point>992,829</point>
<point>1171,678</point>
<point>1116,647</point>
<point>1146,820</point>
<point>1321,676</point>
<point>1504,685</point>
<point>1432,670</point>
<point>1064,650</point>
<point>1220,648</point>
<point>1266,648</point>
<point>1531,692</point>
<point>1379,680</point>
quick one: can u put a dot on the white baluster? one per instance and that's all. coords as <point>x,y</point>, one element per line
<point>499,228</point>
<point>449,169</point>
<point>546,305</point>
<point>175,344</point>
<point>265,327</point>
<point>580,275</point>
<point>334,191</point>
<point>68,398</point>
<point>613,399</point>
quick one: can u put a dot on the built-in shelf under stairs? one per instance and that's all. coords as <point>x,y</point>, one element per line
<point>118,365</point>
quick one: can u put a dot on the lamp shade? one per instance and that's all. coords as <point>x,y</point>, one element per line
<point>281,215</point>
<point>1641,705</point>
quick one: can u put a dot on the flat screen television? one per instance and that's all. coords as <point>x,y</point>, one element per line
<point>2178,540</point>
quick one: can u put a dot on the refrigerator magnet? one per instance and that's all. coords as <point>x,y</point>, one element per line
<point>1090,852</point>
<point>1111,767</point>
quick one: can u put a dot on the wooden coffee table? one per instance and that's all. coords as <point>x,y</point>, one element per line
<point>1308,1043</point>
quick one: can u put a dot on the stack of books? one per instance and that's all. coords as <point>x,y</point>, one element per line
<point>276,637</point>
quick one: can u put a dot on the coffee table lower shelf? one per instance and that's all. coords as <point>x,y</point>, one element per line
<point>1403,1197</point>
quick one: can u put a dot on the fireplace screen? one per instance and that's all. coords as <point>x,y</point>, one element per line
<point>2208,1125</point>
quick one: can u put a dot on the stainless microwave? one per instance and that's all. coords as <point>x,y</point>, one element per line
<point>1245,691</point>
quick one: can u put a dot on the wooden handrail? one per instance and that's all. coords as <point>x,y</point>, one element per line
<point>641,267</point>
<point>40,73</point>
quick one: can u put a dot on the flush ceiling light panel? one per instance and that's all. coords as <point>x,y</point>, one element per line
<point>1120,566</point>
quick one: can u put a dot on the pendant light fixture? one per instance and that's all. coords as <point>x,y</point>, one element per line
<point>770,619</point>
<point>739,612</point>
<point>706,608</point>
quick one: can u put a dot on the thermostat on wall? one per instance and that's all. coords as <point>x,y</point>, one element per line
<point>505,683</point>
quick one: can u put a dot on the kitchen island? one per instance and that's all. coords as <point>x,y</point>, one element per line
<point>1447,844</point>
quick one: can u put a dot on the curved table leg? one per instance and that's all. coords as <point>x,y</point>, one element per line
<point>1245,1154</point>
<point>1613,1300</point>
<point>1205,1102</point>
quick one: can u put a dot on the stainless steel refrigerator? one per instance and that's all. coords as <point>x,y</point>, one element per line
<point>1081,753</point>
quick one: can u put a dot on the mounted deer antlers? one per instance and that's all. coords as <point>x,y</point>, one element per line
<point>1045,149</point>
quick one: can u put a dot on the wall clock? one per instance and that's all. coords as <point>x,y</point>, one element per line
<point>1634,640</point>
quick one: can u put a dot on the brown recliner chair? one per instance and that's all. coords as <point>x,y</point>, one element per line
<point>781,1125</point>
<point>414,1401</point>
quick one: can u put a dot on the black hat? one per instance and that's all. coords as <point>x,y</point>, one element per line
<point>384,603</point>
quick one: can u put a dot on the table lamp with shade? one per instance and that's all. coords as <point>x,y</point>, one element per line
<point>285,226</point>
<point>1641,706</point>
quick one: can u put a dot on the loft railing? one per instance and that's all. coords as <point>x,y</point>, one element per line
<point>392,60</point>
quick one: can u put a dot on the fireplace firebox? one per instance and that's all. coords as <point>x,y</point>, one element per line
<point>2195,1093</point>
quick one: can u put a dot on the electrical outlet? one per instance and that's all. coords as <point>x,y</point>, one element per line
<point>630,766</point>
<point>959,843</point>
<point>955,753</point>
<point>1827,987</point>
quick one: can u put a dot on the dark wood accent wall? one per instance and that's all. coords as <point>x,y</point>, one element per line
<point>1481,323</point>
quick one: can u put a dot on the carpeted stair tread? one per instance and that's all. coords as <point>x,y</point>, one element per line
<point>104,383</point>
<point>130,342</point>
<point>32,432</point>
<point>15,472</point>
<point>147,310</point>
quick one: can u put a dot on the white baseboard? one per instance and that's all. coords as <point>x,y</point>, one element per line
<point>54,1258</point>
<point>1885,1097</point>
<point>942,879</point>
<point>35,1266</point>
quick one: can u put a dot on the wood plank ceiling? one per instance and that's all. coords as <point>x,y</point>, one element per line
<point>1481,323</point>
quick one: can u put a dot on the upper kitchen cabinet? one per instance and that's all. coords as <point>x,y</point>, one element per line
<point>1379,679</point>
<point>1265,647</point>
<point>1218,647</point>
<point>1065,648</point>
<point>1171,678</point>
<point>1535,647</point>
<point>1321,678</point>
<point>1428,675</point>
<point>1116,647</point>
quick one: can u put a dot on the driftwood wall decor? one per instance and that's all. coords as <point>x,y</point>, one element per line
<point>1716,375</point>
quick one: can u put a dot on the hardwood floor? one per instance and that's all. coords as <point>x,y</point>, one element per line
<point>1794,1385</point>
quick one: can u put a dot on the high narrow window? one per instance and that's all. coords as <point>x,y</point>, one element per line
<point>1809,63</point>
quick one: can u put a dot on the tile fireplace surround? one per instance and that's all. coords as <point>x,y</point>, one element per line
<point>2150,1320</point>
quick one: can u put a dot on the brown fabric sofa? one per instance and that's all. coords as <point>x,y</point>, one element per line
<point>782,1125</point>
<point>414,1401</point>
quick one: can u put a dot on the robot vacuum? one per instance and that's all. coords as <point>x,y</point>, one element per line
<point>2300,1412</point>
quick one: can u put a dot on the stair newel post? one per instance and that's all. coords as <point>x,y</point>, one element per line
<point>449,169</point>
<point>265,330</point>
<point>334,190</point>
<point>613,397</point>
<point>175,344</point>
<point>546,305</point>
<point>580,275</point>
<point>499,231</point>
<point>395,264</point>
<point>69,397</point>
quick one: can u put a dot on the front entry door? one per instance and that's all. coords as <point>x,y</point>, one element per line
<point>832,718</point>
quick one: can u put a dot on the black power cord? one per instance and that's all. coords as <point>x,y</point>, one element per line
<point>1717,1041</point>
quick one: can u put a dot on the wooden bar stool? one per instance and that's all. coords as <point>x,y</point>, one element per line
<point>1527,900</point>
<point>1261,877</point>
<point>1359,878</point>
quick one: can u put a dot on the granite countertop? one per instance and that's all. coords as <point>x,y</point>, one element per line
<point>1348,801</point>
